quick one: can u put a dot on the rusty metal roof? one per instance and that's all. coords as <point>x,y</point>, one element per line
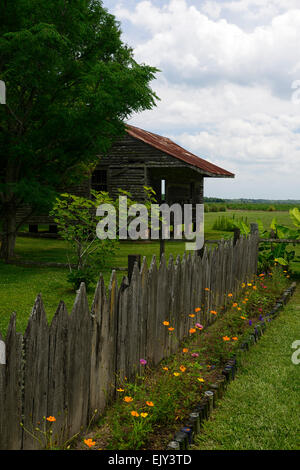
<point>168,146</point>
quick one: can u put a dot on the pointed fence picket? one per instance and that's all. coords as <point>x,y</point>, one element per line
<point>70,368</point>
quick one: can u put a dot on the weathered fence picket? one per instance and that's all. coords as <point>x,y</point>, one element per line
<point>71,368</point>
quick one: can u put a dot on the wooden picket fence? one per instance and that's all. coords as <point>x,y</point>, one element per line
<point>71,368</point>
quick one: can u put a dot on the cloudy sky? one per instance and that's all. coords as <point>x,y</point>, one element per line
<point>229,85</point>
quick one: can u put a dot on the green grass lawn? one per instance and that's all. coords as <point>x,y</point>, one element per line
<point>19,286</point>
<point>261,408</point>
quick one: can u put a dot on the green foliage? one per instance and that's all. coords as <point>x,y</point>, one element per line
<point>76,221</point>
<point>228,224</point>
<point>214,207</point>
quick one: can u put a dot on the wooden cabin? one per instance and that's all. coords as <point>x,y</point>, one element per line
<point>142,158</point>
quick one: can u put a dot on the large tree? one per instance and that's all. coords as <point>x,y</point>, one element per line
<point>71,82</point>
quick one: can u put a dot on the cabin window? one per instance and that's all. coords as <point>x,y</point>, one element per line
<point>99,180</point>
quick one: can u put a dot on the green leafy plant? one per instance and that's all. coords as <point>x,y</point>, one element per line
<point>76,220</point>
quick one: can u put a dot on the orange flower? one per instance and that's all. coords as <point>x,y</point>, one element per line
<point>226,338</point>
<point>234,338</point>
<point>230,294</point>
<point>134,413</point>
<point>89,442</point>
<point>185,350</point>
<point>197,309</point>
<point>166,323</point>
<point>192,330</point>
<point>243,318</point>
<point>51,419</point>
<point>213,312</point>
<point>262,275</point>
<point>254,287</point>
<point>171,328</point>
<point>234,304</point>
<point>191,315</point>
<point>207,288</point>
<point>182,368</point>
<point>165,368</point>
<point>144,415</point>
<point>128,399</point>
<point>149,403</point>
<point>239,308</point>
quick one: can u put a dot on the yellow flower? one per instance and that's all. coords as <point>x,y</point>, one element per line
<point>191,315</point>
<point>182,368</point>
<point>176,374</point>
<point>128,399</point>
<point>144,415</point>
<point>89,442</point>
<point>200,379</point>
<point>120,390</point>
<point>239,308</point>
<point>249,284</point>
<point>134,413</point>
<point>243,284</point>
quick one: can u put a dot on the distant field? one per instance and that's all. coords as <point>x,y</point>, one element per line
<point>20,285</point>
<point>269,207</point>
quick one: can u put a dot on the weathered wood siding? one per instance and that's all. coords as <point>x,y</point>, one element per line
<point>132,164</point>
<point>68,369</point>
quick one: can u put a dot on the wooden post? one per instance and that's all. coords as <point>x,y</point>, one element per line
<point>132,259</point>
<point>161,247</point>
<point>236,235</point>
<point>254,228</point>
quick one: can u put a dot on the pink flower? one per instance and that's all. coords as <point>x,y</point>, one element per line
<point>200,327</point>
<point>143,362</point>
<point>195,355</point>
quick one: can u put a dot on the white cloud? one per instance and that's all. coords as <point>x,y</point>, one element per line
<point>227,71</point>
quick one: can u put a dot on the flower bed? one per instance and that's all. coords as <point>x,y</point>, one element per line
<point>165,406</point>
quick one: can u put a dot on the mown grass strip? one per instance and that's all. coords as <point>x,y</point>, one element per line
<point>260,410</point>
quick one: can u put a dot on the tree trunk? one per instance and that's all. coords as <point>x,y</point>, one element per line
<point>9,233</point>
